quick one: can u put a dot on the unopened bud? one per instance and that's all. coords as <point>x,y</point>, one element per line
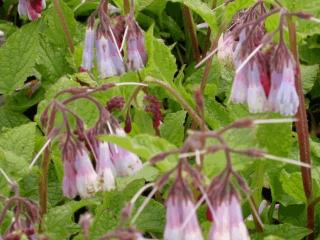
<point>128,126</point>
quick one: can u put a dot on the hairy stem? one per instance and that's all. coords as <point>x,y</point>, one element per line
<point>189,25</point>
<point>126,6</point>
<point>43,186</point>
<point>64,25</point>
<point>302,130</point>
<point>195,117</point>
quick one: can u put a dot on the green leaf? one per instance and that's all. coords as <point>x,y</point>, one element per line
<point>161,63</point>
<point>18,57</point>
<point>286,231</point>
<point>143,122</point>
<point>172,127</point>
<point>10,119</point>
<point>16,149</point>
<point>59,220</point>
<point>292,185</point>
<point>309,75</point>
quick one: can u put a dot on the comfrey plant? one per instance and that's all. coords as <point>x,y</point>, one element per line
<point>90,165</point>
<point>118,42</point>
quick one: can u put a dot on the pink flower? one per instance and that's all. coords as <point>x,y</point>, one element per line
<point>109,58</point>
<point>283,95</point>
<point>256,98</point>
<point>125,162</point>
<point>88,51</point>
<point>181,217</point>
<point>69,180</point>
<point>239,90</point>
<point>31,8</point>
<point>104,167</point>
<point>227,218</point>
<point>86,178</point>
<point>137,55</point>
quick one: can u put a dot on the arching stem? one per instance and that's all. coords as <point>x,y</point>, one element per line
<point>302,130</point>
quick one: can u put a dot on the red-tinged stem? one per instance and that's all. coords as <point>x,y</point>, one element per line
<point>189,25</point>
<point>302,130</point>
<point>64,25</point>
<point>126,6</point>
<point>43,186</point>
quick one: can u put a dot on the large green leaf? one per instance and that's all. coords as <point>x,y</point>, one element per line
<point>172,127</point>
<point>18,57</point>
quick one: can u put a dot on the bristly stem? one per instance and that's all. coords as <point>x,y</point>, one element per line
<point>43,186</point>
<point>189,25</point>
<point>64,25</point>
<point>302,130</point>
<point>126,6</point>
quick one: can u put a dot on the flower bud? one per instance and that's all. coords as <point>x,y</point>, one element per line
<point>31,8</point>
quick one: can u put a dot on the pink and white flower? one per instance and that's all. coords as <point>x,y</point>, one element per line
<point>88,50</point>
<point>86,178</point>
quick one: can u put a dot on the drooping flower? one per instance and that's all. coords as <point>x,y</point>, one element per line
<point>283,96</point>
<point>69,179</point>
<point>137,55</point>
<point>31,8</point>
<point>104,166</point>
<point>86,178</point>
<point>228,221</point>
<point>256,97</point>
<point>88,50</point>
<point>109,59</point>
<point>181,217</point>
<point>126,163</point>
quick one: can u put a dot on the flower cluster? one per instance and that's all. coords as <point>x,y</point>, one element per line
<point>119,44</point>
<point>31,8</point>
<point>90,164</point>
<point>265,78</point>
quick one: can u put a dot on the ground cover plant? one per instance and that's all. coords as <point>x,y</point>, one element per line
<point>159,119</point>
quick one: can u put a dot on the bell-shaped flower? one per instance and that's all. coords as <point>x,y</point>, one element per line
<point>69,180</point>
<point>126,163</point>
<point>31,8</point>
<point>88,50</point>
<point>109,59</point>
<point>105,168</point>
<point>181,216</point>
<point>137,55</point>
<point>283,96</point>
<point>86,178</point>
<point>256,99</point>
<point>228,221</point>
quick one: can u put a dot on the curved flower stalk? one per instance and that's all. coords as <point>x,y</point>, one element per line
<point>90,165</point>
<point>31,8</point>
